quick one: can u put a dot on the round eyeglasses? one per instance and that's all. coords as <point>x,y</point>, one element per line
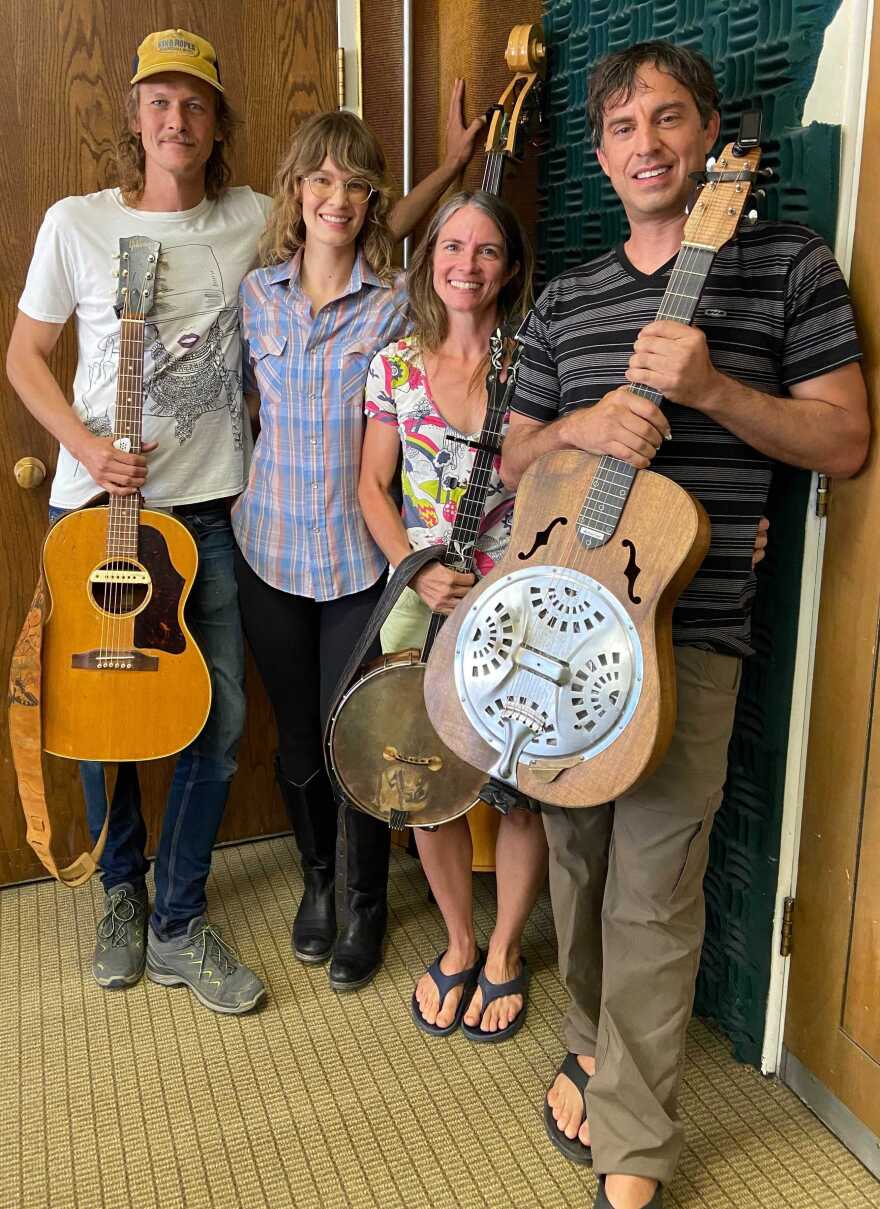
<point>323,187</point>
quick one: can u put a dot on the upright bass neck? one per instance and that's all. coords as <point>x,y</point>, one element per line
<point>518,107</point>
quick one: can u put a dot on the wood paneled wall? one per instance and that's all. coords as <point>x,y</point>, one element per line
<point>63,79</point>
<point>466,38</point>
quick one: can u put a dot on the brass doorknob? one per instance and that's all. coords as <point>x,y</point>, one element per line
<point>29,472</point>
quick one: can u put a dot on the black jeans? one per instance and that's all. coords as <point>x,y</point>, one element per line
<point>301,646</point>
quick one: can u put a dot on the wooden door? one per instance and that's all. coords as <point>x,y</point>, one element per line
<point>833,1016</point>
<point>63,80</point>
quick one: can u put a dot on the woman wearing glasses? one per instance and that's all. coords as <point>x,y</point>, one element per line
<point>308,571</point>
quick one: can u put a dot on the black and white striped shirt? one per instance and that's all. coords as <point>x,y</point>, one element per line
<point>775,311</point>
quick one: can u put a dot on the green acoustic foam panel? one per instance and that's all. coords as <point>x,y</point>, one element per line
<point>764,53</point>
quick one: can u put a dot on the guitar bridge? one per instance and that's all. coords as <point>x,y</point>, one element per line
<point>114,661</point>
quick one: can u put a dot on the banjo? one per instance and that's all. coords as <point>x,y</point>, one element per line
<point>383,751</point>
<point>555,673</point>
<point>381,747</point>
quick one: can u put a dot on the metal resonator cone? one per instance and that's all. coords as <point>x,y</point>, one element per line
<point>548,667</point>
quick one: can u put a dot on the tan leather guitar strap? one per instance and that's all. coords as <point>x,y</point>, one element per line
<point>26,736</point>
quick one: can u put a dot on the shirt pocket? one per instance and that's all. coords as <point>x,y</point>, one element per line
<point>267,357</point>
<point>355,364</point>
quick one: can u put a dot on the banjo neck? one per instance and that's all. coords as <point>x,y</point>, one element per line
<point>517,110</point>
<point>461,548</point>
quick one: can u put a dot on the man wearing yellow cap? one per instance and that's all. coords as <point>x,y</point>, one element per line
<point>173,179</point>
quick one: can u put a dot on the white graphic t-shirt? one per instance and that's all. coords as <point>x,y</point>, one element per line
<point>192,349</point>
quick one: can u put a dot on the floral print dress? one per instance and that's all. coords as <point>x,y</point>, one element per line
<point>436,470</point>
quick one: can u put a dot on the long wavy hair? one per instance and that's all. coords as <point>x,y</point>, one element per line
<point>426,310</point>
<point>131,160</point>
<point>355,150</point>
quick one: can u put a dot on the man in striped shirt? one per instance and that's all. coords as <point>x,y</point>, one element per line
<point>769,371</point>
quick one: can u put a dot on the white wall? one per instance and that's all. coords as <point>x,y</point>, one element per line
<point>837,96</point>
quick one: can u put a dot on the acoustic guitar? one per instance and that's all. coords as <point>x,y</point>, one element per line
<point>123,678</point>
<point>555,673</point>
<point>382,749</point>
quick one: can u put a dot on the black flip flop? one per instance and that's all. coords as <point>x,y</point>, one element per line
<point>573,1149</point>
<point>497,990</point>
<point>467,979</point>
<point>602,1201</point>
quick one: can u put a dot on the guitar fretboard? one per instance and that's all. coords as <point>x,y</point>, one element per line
<point>122,530</point>
<point>609,490</point>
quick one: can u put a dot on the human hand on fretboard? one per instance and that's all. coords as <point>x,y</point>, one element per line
<point>621,424</point>
<point>117,472</point>
<point>673,359</point>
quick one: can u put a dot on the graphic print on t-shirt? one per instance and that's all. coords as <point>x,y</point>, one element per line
<point>186,343</point>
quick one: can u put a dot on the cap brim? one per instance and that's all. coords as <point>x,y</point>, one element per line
<point>185,68</point>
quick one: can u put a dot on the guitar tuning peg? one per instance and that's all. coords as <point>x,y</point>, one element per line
<point>760,194</point>
<point>710,163</point>
<point>767,173</point>
<point>752,217</point>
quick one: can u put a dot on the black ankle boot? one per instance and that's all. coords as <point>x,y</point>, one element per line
<point>357,953</point>
<point>311,809</point>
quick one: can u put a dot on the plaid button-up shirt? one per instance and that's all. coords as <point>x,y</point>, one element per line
<point>298,523</point>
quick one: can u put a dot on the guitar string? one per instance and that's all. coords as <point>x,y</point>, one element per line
<point>121,506</point>
<point>108,594</point>
<point>687,264</point>
<point>120,535</point>
<point>122,427</point>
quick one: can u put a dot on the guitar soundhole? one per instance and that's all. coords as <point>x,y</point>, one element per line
<point>119,587</point>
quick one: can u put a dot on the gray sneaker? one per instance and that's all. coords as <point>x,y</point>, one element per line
<point>201,961</point>
<point>120,945</point>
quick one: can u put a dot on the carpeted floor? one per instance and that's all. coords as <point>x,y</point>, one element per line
<point>142,1098</point>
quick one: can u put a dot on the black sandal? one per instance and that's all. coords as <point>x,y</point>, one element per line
<point>497,990</point>
<point>602,1201</point>
<point>466,979</point>
<point>573,1148</point>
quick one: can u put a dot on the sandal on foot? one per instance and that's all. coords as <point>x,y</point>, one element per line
<point>466,979</point>
<point>497,990</point>
<point>602,1201</point>
<point>573,1148</point>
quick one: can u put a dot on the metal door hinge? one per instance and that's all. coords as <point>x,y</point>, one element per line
<point>823,490</point>
<point>787,919</point>
<point>340,75</point>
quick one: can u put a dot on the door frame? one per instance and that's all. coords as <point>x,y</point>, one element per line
<point>859,15</point>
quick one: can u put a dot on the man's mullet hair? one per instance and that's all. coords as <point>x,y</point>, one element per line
<point>613,79</point>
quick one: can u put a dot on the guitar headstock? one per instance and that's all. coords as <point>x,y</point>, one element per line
<point>519,106</point>
<point>721,203</point>
<point>138,266</point>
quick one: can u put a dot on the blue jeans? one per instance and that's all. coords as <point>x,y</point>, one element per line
<point>203,772</point>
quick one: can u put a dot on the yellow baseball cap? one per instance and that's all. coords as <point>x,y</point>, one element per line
<point>176,50</point>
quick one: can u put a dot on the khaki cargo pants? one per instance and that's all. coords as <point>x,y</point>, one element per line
<point>626,881</point>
